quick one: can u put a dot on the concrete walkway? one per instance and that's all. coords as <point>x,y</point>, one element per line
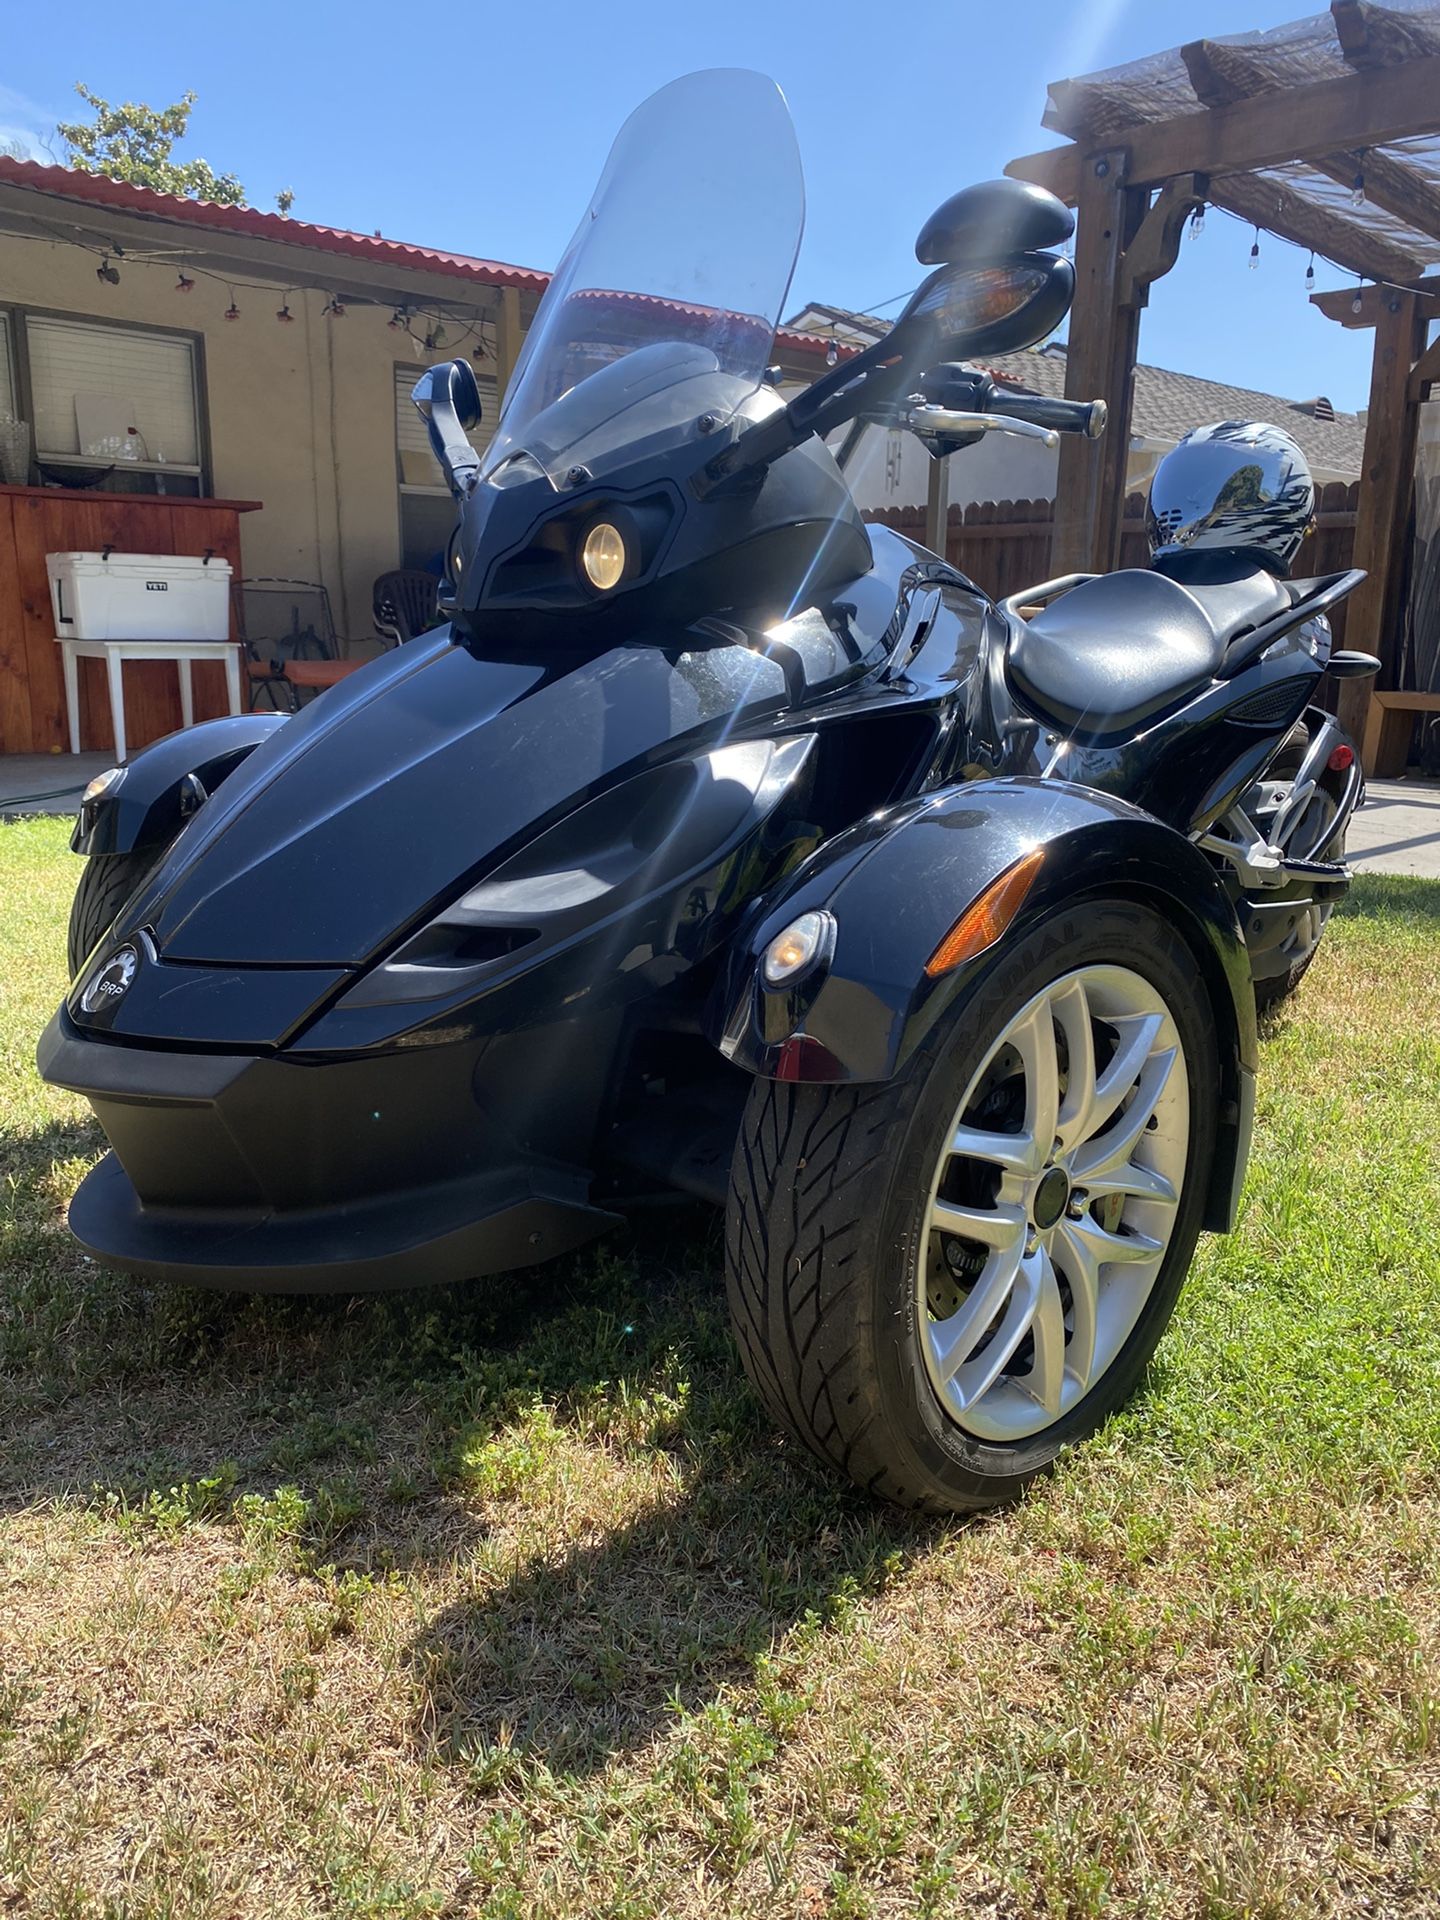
<point>46,782</point>
<point>1398,829</point>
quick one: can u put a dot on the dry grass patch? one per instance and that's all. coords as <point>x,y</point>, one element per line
<point>504,1602</point>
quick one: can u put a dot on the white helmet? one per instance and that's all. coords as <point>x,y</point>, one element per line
<point>1240,487</point>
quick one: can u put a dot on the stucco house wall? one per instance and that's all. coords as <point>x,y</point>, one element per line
<point>299,416</point>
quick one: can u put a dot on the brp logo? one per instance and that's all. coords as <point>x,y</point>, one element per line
<point>111,981</point>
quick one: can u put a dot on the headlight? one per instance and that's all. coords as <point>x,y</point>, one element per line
<point>105,782</point>
<point>604,556</point>
<point>795,950</point>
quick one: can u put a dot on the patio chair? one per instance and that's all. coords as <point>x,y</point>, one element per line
<point>404,603</point>
<point>291,646</point>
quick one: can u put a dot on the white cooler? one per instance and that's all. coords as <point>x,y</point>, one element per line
<point>139,596</point>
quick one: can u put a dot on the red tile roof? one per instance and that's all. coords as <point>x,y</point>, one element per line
<point>97,190</point>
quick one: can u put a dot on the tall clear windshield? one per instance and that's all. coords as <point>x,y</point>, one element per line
<point>683,257</point>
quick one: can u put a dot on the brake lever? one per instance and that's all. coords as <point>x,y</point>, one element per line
<point>938,423</point>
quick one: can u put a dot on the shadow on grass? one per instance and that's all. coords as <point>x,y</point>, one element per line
<point>371,1408</point>
<point>575,1659</point>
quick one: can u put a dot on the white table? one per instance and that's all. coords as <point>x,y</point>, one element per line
<point>116,652</point>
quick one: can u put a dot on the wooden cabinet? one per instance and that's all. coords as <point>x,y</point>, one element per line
<point>35,521</point>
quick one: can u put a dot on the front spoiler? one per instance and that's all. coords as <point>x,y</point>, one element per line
<point>239,1173</point>
<point>478,1227</point>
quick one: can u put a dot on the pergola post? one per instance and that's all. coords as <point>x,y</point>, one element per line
<point>1387,481</point>
<point>1100,365</point>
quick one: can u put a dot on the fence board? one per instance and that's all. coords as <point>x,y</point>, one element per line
<point>1004,545</point>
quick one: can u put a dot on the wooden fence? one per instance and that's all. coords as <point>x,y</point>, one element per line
<point>1004,545</point>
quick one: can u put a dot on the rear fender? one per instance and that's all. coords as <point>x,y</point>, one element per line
<point>165,783</point>
<point>896,884</point>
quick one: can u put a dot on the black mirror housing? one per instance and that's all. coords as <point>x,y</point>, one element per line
<point>991,221</point>
<point>447,398</point>
<point>996,308</point>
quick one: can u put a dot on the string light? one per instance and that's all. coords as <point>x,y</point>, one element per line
<point>1357,305</point>
<point>399,321</point>
<point>1197,221</point>
<point>1310,275</point>
<point>232,312</point>
<point>283,313</point>
<point>105,271</point>
<point>184,284</point>
<point>832,352</point>
<point>1357,189</point>
<point>334,308</point>
<point>1255,251</point>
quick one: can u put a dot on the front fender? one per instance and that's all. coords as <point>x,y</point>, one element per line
<point>896,884</point>
<point>158,794</point>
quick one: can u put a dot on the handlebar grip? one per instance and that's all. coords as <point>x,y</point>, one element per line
<point>1060,416</point>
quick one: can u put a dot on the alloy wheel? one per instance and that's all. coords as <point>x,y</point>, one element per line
<point>1053,1202</point>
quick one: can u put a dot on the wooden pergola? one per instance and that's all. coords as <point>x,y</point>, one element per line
<point>1327,134</point>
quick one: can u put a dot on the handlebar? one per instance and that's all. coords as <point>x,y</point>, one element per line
<point>966,389</point>
<point>1060,416</point>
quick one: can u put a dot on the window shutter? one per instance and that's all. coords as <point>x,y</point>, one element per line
<point>418,466</point>
<point>147,377</point>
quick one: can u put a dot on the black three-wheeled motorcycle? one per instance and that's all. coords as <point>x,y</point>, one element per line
<point>723,844</point>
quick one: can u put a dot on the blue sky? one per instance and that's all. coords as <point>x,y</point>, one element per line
<point>482,129</point>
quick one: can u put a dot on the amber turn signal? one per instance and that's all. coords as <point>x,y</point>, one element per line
<point>987,917</point>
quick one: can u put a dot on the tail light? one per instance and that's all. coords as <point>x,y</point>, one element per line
<point>1342,758</point>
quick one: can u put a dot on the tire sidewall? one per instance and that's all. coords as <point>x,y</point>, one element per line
<point>1085,934</point>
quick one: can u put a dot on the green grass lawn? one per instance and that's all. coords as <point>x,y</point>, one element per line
<point>506,1601</point>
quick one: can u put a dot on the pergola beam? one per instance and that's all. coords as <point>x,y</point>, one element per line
<point>1371,38</point>
<point>1340,305</point>
<point>1222,75</point>
<point>1361,109</point>
<point>1399,190</point>
<point>1276,209</point>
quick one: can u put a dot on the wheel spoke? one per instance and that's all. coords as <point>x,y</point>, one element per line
<point>1134,1182</point>
<point>1035,1042</point>
<point>1047,1377</point>
<point>954,1340</point>
<point>973,1380</point>
<point>1082,1270</point>
<point>1138,1034</point>
<point>1012,1152</point>
<point>1075,1120</point>
<point>1115,1147</point>
<point>998,1227</point>
<point>1102,1248</point>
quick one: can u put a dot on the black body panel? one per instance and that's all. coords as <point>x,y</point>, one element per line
<point>158,793</point>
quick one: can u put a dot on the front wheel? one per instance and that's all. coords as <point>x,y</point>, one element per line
<point>106,883</point>
<point>939,1283</point>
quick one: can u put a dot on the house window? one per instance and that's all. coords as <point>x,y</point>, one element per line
<point>427,513</point>
<point>115,397</point>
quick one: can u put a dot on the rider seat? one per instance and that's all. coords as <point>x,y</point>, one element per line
<point>1118,649</point>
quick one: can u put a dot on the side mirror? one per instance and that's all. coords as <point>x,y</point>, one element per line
<point>447,398</point>
<point>992,221</point>
<point>963,310</point>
